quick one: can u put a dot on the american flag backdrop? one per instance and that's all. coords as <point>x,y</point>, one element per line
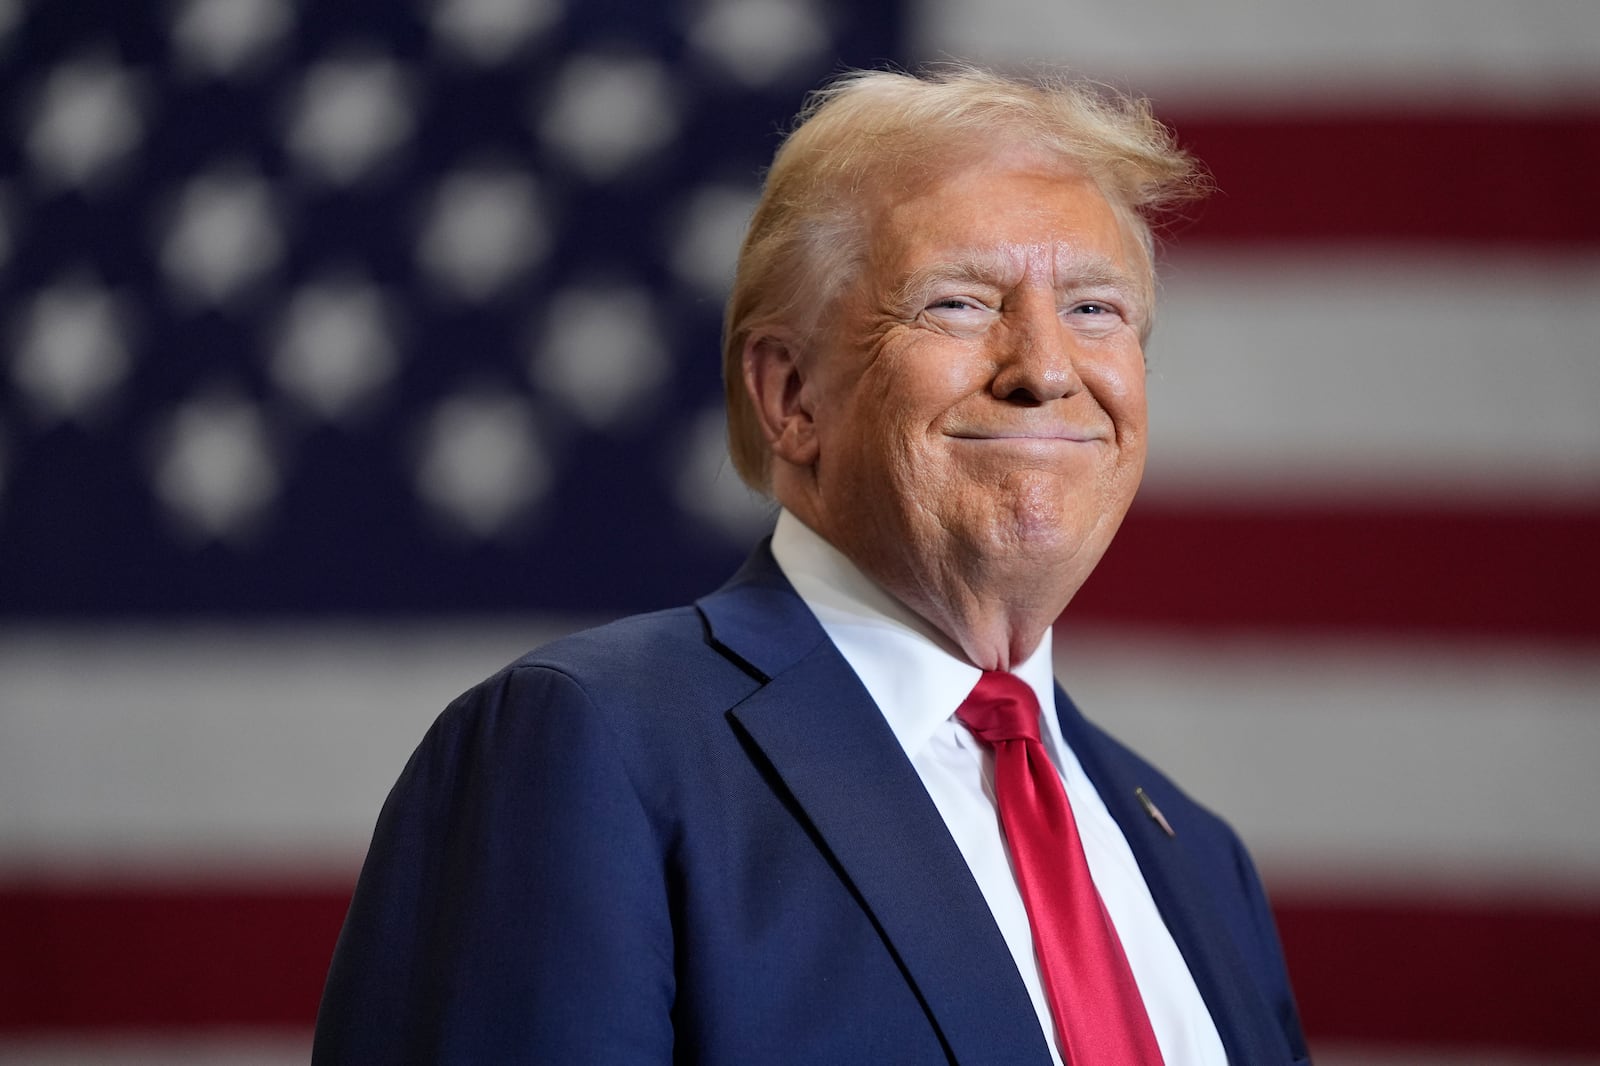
<point>348,350</point>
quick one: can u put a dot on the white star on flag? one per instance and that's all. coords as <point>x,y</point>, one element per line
<point>608,113</point>
<point>760,42</point>
<point>483,228</point>
<point>336,347</point>
<point>601,353</point>
<point>71,355</point>
<point>488,32</point>
<point>226,38</point>
<point>87,122</point>
<point>225,234</point>
<point>481,465</point>
<point>215,468</point>
<point>349,115</point>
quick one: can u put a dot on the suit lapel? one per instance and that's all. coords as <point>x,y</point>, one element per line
<point>1243,1018</point>
<point>830,746</point>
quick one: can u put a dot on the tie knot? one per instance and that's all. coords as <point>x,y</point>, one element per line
<point>1000,707</point>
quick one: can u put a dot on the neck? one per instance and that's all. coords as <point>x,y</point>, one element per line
<point>997,623</point>
<point>993,616</point>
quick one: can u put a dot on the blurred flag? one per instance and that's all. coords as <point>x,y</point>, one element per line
<point>351,349</point>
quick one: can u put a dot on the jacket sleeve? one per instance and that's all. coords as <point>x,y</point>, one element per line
<point>513,906</point>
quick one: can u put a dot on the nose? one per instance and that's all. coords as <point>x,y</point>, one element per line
<point>1037,357</point>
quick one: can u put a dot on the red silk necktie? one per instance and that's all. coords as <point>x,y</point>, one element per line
<point>1100,1017</point>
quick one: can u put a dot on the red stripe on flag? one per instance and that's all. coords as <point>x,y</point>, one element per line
<point>115,958</point>
<point>108,956</point>
<point>1453,571</point>
<point>1513,179</point>
<point>1488,975</point>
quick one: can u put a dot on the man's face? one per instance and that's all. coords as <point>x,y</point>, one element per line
<point>978,396</point>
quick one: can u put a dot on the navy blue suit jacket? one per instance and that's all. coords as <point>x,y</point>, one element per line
<point>691,837</point>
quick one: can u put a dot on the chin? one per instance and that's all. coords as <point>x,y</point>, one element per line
<point>1059,536</point>
<point>1035,513</point>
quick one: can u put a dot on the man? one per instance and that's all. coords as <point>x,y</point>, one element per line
<point>783,825</point>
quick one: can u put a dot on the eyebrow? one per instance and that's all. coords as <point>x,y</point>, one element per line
<point>911,288</point>
<point>1073,271</point>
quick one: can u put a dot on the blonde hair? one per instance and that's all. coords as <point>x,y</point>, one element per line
<point>807,236</point>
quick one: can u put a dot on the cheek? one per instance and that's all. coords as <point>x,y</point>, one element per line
<point>1129,404</point>
<point>908,394</point>
<point>1120,386</point>
<point>923,382</point>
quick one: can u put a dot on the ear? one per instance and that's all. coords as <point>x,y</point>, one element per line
<point>776,384</point>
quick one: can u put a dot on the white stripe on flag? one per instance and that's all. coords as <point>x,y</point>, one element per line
<point>1372,373</point>
<point>184,751</point>
<point>1271,56</point>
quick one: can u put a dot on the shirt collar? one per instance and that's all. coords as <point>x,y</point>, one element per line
<point>914,673</point>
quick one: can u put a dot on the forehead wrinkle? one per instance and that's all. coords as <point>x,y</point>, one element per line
<point>1071,269</point>
<point>1076,268</point>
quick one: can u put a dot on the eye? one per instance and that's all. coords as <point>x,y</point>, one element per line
<point>957,312</point>
<point>1097,315</point>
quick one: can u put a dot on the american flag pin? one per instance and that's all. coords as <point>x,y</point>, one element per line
<point>1153,811</point>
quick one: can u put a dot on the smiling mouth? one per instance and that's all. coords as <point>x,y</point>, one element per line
<point>1043,437</point>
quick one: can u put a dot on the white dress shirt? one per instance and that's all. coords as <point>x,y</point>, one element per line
<point>918,678</point>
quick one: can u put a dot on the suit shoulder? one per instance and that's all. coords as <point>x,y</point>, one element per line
<point>640,676</point>
<point>650,657</point>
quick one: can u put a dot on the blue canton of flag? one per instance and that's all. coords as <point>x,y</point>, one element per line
<point>371,306</point>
